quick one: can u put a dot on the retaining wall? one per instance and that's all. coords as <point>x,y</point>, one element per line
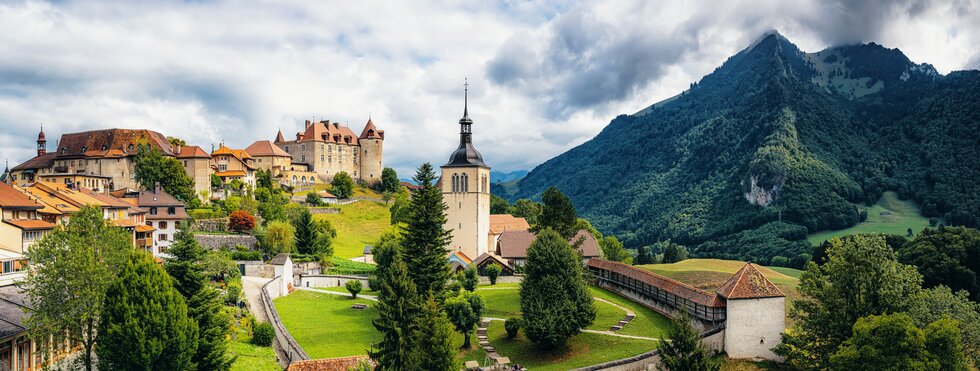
<point>329,280</point>
<point>218,241</point>
<point>287,349</point>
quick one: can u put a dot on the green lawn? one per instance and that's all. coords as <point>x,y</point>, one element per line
<point>900,216</point>
<point>358,224</point>
<point>251,357</point>
<point>648,323</point>
<point>582,350</point>
<point>325,325</point>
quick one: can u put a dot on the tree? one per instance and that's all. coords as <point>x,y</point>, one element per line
<point>342,185</point>
<point>558,213</point>
<point>387,196</point>
<point>353,287</point>
<point>673,252</point>
<point>498,205</point>
<point>307,233</point>
<point>398,306</point>
<point>274,208</point>
<point>263,179</point>
<point>263,334</point>
<point>684,351</point>
<point>176,142</point>
<point>464,311</point>
<point>278,238</point>
<point>527,209</point>
<point>470,279</point>
<point>71,269</point>
<point>945,345</point>
<point>425,239</point>
<point>435,342</point>
<point>512,325</point>
<point>190,270</point>
<point>948,256</point>
<point>151,167</point>
<point>145,325</point>
<point>400,210</point>
<point>323,245</point>
<point>493,270</point>
<point>554,298</point>
<point>313,199</point>
<point>893,342</point>
<point>241,222</point>
<point>933,304</point>
<point>389,180</point>
<point>215,182</point>
<point>613,250</point>
<point>643,256</point>
<point>860,278</point>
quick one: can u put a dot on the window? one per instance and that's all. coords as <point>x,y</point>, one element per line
<point>303,157</point>
<point>153,211</point>
<point>162,237</point>
<point>163,225</point>
<point>222,167</point>
<point>149,223</point>
<point>171,210</point>
<point>8,266</point>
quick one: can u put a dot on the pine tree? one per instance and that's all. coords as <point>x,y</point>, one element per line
<point>145,324</point>
<point>203,301</point>
<point>558,213</point>
<point>425,239</point>
<point>398,307</point>
<point>306,232</point>
<point>684,351</point>
<point>554,298</point>
<point>435,342</point>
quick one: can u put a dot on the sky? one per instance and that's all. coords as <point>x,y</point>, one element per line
<point>543,77</point>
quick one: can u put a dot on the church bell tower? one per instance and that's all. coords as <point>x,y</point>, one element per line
<point>466,191</point>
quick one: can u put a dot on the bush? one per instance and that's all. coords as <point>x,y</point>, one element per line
<point>313,199</point>
<point>353,287</point>
<point>492,271</point>
<point>374,284</point>
<point>246,255</point>
<point>512,325</point>
<point>241,222</point>
<point>233,293</point>
<point>263,334</point>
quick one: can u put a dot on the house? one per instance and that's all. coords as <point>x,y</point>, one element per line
<point>458,261</point>
<point>512,245</point>
<point>269,157</point>
<point>21,224</point>
<point>505,222</point>
<point>98,183</point>
<point>233,164</point>
<point>283,267</point>
<point>197,163</point>
<point>163,213</point>
<point>487,259</point>
<point>17,350</point>
<point>369,254</point>
<point>327,197</point>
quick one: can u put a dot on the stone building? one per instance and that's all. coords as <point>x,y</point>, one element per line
<point>328,148</point>
<point>108,152</point>
<point>465,184</point>
<point>233,164</point>
<point>197,163</point>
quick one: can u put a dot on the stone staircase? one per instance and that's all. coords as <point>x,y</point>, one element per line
<point>481,337</point>
<point>627,319</point>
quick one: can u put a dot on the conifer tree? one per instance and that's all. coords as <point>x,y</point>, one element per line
<point>684,351</point>
<point>554,298</point>
<point>398,307</point>
<point>145,324</point>
<point>425,238</point>
<point>307,232</point>
<point>558,213</point>
<point>435,342</point>
<point>186,268</point>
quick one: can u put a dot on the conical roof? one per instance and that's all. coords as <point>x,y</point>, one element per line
<point>749,283</point>
<point>279,138</point>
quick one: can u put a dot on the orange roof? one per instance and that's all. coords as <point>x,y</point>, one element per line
<point>749,283</point>
<point>672,286</point>
<point>237,153</point>
<point>108,200</point>
<point>371,132</point>
<point>53,204</point>
<point>144,228</point>
<point>325,194</point>
<point>462,257</point>
<point>125,223</point>
<point>111,143</point>
<point>503,222</point>
<point>265,148</point>
<point>192,152</point>
<point>326,131</point>
<point>222,174</point>
<point>30,224</point>
<point>328,364</point>
<point>66,195</point>
<point>11,198</point>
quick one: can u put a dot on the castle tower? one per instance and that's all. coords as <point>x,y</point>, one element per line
<point>42,143</point>
<point>466,191</point>
<point>371,141</point>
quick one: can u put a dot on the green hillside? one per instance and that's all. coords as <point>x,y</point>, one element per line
<point>358,224</point>
<point>889,215</point>
<point>774,145</point>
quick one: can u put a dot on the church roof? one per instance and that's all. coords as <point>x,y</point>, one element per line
<point>279,138</point>
<point>502,222</point>
<point>514,243</point>
<point>749,283</point>
<point>465,155</point>
<point>265,148</point>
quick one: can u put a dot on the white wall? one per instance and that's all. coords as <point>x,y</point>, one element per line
<point>753,327</point>
<point>330,281</point>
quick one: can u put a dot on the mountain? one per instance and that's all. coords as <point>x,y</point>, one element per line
<point>502,177</point>
<point>774,144</point>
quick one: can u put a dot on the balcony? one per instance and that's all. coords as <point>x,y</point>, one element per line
<point>144,242</point>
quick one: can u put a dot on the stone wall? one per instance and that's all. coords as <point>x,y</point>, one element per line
<point>323,210</point>
<point>320,280</point>
<point>754,327</point>
<point>218,241</point>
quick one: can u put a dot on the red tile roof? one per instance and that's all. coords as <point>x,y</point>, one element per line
<point>11,198</point>
<point>513,244</point>
<point>502,222</point>
<point>672,286</point>
<point>30,224</point>
<point>265,148</point>
<point>325,131</point>
<point>110,143</point>
<point>371,132</point>
<point>192,152</point>
<point>749,283</point>
<point>40,162</point>
<point>328,364</point>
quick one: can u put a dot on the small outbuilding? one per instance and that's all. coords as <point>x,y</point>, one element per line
<point>327,197</point>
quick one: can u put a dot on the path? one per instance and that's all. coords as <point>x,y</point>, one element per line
<point>484,340</point>
<point>253,293</point>
<point>623,322</point>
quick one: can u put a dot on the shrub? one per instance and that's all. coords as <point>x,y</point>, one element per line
<point>374,284</point>
<point>241,222</point>
<point>313,199</point>
<point>263,334</point>
<point>512,325</point>
<point>492,271</point>
<point>246,255</point>
<point>353,287</point>
<point>233,292</point>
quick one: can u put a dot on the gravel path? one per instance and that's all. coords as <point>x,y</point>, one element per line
<point>253,292</point>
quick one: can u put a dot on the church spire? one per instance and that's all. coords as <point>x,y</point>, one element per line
<point>466,155</point>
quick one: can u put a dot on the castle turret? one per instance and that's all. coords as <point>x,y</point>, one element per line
<point>371,141</point>
<point>466,192</point>
<point>42,143</point>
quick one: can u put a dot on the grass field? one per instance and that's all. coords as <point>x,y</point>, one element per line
<point>325,325</point>
<point>251,357</point>
<point>898,217</point>
<point>709,274</point>
<point>582,350</point>
<point>358,224</point>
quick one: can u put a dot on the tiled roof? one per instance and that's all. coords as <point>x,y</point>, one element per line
<point>144,228</point>
<point>13,303</point>
<point>371,132</point>
<point>502,222</point>
<point>157,197</point>
<point>325,194</point>
<point>108,200</point>
<point>486,258</point>
<point>222,174</point>
<point>513,244</point>
<point>111,143</point>
<point>328,364</point>
<point>11,198</point>
<point>237,153</point>
<point>53,203</point>
<point>192,152</point>
<point>325,131</point>
<point>279,259</point>
<point>40,162</point>
<point>61,195</point>
<point>462,257</point>
<point>672,286</point>
<point>30,224</point>
<point>748,283</point>
<point>265,148</point>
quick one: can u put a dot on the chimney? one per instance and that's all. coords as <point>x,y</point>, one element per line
<point>308,123</point>
<point>157,188</point>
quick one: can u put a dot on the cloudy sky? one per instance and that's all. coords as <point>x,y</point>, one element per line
<point>544,76</point>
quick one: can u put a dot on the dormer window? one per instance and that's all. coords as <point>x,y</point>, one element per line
<point>105,147</point>
<point>64,150</point>
<point>130,147</point>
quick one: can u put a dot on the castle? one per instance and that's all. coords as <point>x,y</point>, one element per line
<point>327,148</point>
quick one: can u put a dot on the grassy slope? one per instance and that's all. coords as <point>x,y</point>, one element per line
<point>581,350</point>
<point>358,224</point>
<point>251,357</point>
<point>325,325</point>
<point>904,215</point>
<point>709,274</point>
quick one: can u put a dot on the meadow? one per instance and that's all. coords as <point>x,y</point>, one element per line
<point>889,215</point>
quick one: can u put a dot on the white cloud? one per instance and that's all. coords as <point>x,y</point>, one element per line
<point>544,76</point>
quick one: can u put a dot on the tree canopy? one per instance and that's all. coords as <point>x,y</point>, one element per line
<point>555,301</point>
<point>152,168</point>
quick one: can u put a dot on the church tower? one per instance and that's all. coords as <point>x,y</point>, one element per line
<point>466,191</point>
<point>42,143</point>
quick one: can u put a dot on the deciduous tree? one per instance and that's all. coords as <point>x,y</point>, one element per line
<point>278,238</point>
<point>464,311</point>
<point>389,180</point>
<point>152,168</point>
<point>342,185</point>
<point>613,250</point>
<point>554,298</point>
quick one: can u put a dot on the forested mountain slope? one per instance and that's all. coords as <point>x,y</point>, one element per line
<point>777,143</point>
